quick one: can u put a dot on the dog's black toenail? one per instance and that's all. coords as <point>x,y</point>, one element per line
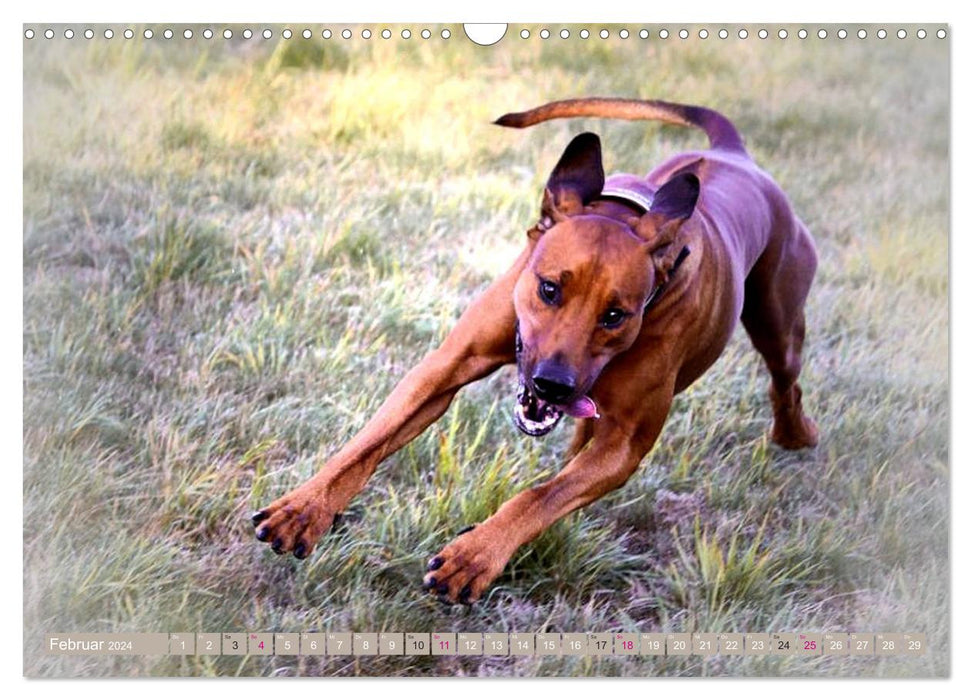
<point>442,588</point>
<point>263,534</point>
<point>429,584</point>
<point>338,517</point>
<point>259,516</point>
<point>468,528</point>
<point>300,551</point>
<point>465,594</point>
<point>435,564</point>
<point>277,545</point>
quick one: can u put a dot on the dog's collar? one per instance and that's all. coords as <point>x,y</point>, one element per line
<point>656,294</point>
<point>634,197</point>
<point>630,189</point>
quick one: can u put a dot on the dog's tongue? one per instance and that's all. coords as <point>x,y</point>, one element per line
<point>583,407</point>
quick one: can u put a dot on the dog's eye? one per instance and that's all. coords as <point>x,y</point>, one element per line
<point>613,318</point>
<point>549,292</point>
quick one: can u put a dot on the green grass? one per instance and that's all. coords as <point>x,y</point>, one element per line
<point>232,252</point>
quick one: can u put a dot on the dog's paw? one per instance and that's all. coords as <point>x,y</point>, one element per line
<point>462,571</point>
<point>792,429</point>
<point>295,522</point>
<point>795,434</point>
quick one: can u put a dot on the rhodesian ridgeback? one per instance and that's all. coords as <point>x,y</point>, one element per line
<point>628,289</point>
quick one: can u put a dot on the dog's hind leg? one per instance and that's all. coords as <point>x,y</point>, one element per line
<point>773,314</point>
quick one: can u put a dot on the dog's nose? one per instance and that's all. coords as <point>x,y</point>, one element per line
<point>553,384</point>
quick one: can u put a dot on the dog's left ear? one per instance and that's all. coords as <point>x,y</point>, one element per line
<point>673,204</point>
<point>677,197</point>
<point>577,178</point>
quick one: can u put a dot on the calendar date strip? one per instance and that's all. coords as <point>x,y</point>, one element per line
<point>486,644</point>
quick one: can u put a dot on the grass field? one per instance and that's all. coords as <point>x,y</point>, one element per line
<point>232,251</point>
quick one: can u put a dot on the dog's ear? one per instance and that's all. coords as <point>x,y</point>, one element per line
<point>677,197</point>
<point>577,178</point>
<point>673,204</point>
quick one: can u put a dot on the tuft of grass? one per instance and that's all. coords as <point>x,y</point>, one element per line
<point>174,250</point>
<point>307,55</point>
<point>177,134</point>
<point>738,573</point>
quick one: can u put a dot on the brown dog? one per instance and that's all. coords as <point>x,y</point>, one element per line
<point>627,291</point>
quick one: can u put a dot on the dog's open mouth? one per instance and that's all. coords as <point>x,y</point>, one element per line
<point>536,417</point>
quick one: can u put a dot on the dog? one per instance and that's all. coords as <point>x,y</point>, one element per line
<point>627,290</point>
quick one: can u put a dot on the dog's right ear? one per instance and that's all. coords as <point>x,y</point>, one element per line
<point>577,179</point>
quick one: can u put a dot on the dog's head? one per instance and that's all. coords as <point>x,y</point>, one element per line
<point>580,300</point>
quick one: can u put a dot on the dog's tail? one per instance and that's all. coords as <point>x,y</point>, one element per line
<point>722,134</point>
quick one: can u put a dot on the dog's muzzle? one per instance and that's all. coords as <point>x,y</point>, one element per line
<point>535,416</point>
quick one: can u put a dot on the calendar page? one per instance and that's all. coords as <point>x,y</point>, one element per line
<point>514,350</point>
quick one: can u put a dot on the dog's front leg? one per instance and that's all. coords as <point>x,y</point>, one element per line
<point>482,340</point>
<point>464,568</point>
